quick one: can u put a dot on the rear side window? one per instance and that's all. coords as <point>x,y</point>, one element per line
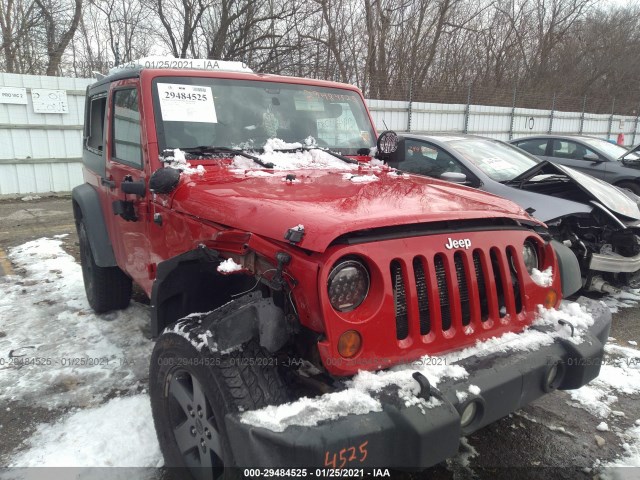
<point>94,126</point>
<point>537,146</point>
<point>570,150</point>
<point>126,128</point>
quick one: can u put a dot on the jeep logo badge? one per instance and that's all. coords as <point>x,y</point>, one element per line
<point>462,243</point>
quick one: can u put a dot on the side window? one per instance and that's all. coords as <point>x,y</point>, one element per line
<point>94,124</point>
<point>126,128</point>
<point>427,159</point>
<point>536,146</point>
<point>570,150</point>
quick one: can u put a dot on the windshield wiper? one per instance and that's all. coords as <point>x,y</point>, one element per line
<point>312,147</point>
<point>236,151</point>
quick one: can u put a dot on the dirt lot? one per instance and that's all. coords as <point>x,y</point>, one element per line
<point>556,436</point>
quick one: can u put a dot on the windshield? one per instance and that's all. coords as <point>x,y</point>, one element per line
<point>500,161</point>
<point>195,111</point>
<point>611,150</point>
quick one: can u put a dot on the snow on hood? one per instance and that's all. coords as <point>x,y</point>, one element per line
<point>300,160</point>
<point>332,198</point>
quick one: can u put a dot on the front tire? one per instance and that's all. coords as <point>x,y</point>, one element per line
<point>192,390</point>
<point>107,288</point>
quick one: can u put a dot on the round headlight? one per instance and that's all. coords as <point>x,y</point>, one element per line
<point>530,256</point>
<point>348,285</point>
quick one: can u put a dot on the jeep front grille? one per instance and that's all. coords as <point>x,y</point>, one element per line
<point>467,286</point>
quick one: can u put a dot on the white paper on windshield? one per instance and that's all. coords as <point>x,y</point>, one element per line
<point>186,103</point>
<point>497,163</point>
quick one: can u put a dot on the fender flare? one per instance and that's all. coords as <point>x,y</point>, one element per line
<point>569,266</point>
<point>86,207</point>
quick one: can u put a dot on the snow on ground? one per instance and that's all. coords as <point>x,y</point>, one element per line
<point>628,297</point>
<point>631,458</point>
<point>65,355</point>
<point>119,433</point>
<point>620,373</point>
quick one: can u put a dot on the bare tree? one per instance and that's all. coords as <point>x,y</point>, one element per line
<point>60,22</point>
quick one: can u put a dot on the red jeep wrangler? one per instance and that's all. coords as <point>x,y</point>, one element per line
<point>256,198</point>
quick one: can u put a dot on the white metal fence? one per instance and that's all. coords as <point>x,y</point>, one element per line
<point>41,152</point>
<point>502,123</point>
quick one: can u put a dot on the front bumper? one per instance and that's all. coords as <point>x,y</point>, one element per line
<point>405,437</point>
<point>614,263</point>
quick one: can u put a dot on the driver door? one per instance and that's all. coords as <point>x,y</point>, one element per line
<point>129,213</point>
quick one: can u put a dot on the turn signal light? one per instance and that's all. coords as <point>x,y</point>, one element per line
<point>349,343</point>
<point>551,300</point>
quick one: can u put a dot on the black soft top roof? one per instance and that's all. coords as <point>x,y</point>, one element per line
<point>121,74</point>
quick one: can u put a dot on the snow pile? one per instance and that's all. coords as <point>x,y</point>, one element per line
<point>29,198</point>
<point>309,412</point>
<point>543,278</point>
<point>274,144</point>
<point>119,433</point>
<point>474,389</point>
<point>363,386</point>
<point>229,266</point>
<point>199,341</point>
<point>179,161</point>
<point>66,354</point>
<point>360,178</point>
<point>602,427</point>
<point>305,159</point>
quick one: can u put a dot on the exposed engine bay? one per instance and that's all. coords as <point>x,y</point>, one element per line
<point>602,232</point>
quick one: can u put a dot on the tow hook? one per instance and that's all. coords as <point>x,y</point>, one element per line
<point>598,284</point>
<point>566,323</point>
<point>425,386</point>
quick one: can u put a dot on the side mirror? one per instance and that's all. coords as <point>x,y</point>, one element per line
<point>454,177</point>
<point>164,180</point>
<point>592,157</point>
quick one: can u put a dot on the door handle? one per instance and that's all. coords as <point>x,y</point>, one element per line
<point>108,183</point>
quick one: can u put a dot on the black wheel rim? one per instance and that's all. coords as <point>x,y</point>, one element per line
<point>194,426</point>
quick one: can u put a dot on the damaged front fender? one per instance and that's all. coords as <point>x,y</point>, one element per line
<point>250,316</point>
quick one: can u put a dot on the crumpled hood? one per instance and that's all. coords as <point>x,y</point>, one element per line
<point>613,198</point>
<point>330,204</point>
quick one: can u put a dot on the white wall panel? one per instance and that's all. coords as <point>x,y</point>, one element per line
<point>54,137</point>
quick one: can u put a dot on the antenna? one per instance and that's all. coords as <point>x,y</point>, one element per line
<point>385,124</point>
